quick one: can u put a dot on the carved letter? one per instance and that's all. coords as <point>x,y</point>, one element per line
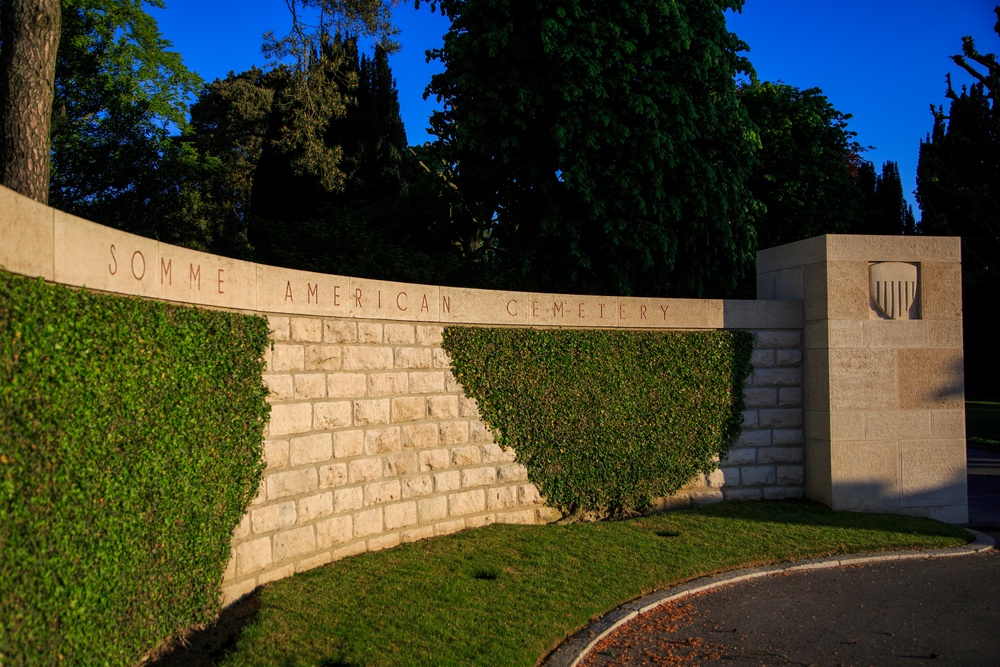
<point>424,305</point>
<point>534,309</point>
<point>312,291</point>
<point>114,269</point>
<point>357,296</point>
<point>445,304</point>
<point>398,304</point>
<point>167,270</point>
<point>194,274</point>
<point>664,309</point>
<point>221,281</point>
<point>509,311</point>
<point>642,312</point>
<point>621,311</point>
<point>558,308</point>
<point>579,311</point>
<point>602,311</point>
<point>288,291</point>
<point>380,299</point>
<point>336,295</point>
<point>138,276</point>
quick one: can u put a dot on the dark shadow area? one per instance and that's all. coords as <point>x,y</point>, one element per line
<point>208,646</point>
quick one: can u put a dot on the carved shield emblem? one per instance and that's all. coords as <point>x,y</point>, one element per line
<point>893,288</point>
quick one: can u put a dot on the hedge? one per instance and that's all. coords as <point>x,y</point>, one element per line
<point>130,445</point>
<point>606,421</point>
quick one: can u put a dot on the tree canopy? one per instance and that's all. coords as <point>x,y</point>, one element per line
<point>603,142</point>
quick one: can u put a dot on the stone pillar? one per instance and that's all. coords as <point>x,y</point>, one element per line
<point>884,391</point>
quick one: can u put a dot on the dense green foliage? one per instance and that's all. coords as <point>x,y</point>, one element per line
<point>130,446</point>
<point>958,189</point>
<point>507,595</point>
<point>606,420</point>
<point>884,209</point>
<point>602,143</point>
<point>802,172</point>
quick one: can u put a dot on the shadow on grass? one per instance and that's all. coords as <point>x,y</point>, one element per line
<point>208,646</point>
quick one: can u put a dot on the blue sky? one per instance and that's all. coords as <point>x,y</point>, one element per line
<point>883,61</point>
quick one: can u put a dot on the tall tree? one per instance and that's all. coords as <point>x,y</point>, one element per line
<point>803,172</point>
<point>29,39</point>
<point>604,141</point>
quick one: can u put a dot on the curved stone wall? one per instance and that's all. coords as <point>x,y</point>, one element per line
<point>371,441</point>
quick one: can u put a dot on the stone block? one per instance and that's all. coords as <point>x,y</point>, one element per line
<point>311,448</point>
<point>741,494</point>
<point>281,387</point>
<point>348,443</point>
<point>243,529</point>
<point>847,284</point>
<point>739,456</point>
<point>789,397</point>
<point>780,418</point>
<point>933,472</point>
<point>387,541</point>
<point>415,487</point>
<point>465,456</point>
<point>480,433</point>
<point>749,419</point>
<point>379,493</point>
<point>420,436</point>
<point>945,333</point>
<point>414,357</point>
<point>253,556</point>
<point>480,521</point>
<point>331,414</point>
<point>501,498</point>
<point>777,339</point>
<point>468,408</point>
<point>466,502</point>
<point>369,332</point>
<point>279,327</point>
<point>290,418</point>
<point>757,475</point>
<point>948,424</point>
<point>332,475</point>
<point>941,290</point>
<point>294,542</point>
<point>364,470</point>
<point>449,480</point>
<point>408,409</point>
<point>760,398</point>
<point>426,382</point>
<point>525,517</point>
<point>345,385</point>
<point>292,483</point>
<point>272,517</point>
<point>440,358</point>
<point>345,500</point>
<point>783,493</point>
<point>896,334</point>
<point>442,407</point>
<point>286,358</point>
<point>512,472</point>
<point>527,494</point>
<point>400,515</point>
<point>368,522</point>
<point>730,475</point>
<point>322,357</point>
<point>429,335</point>
<point>790,475</point>
<point>352,549</point>
<point>478,477</point>
<point>399,334</point>
<point>434,459</point>
<point>306,329</point>
<point>310,385</point>
<point>315,507</point>
<point>401,463</point>
<point>753,438</point>
<point>931,379</point>
<point>375,411</point>
<point>415,534</point>
<point>492,453</point>
<point>363,358</point>
<point>777,377</point>
<point>454,433</point>
<point>786,358</point>
<point>388,384</point>
<point>865,476</point>
<point>432,509</point>
<point>338,331</point>
<point>382,440</point>
<point>276,454</point>
<point>896,424</point>
<point>312,562</point>
<point>863,380</point>
<point>762,358</point>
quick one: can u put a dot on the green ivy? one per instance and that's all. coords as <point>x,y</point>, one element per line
<point>606,420</point>
<point>130,445</point>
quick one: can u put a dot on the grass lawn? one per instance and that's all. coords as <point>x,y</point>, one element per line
<point>982,423</point>
<point>507,595</point>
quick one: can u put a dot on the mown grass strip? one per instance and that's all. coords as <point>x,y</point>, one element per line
<point>507,595</point>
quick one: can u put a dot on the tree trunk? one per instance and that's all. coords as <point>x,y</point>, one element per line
<point>29,33</point>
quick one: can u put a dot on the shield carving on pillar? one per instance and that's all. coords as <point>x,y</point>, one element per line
<point>893,288</point>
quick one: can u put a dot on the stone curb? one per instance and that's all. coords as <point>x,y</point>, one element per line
<point>571,652</point>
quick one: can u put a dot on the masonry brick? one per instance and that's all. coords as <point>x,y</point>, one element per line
<point>414,357</point>
<point>292,483</point>
<point>315,507</point>
<point>276,454</point>
<point>442,407</point>
<point>790,475</point>
<point>334,531</point>
<point>789,357</point>
<point>348,443</point>
<point>788,436</point>
<point>323,357</point>
<point>281,387</point>
<point>400,515</point>
<point>294,542</point>
<point>345,500</point>
<point>368,522</point>
<point>331,414</point>
<point>454,432</point>
<point>420,436</point>
<point>290,418</point>
<point>399,334</point>
<point>346,385</point>
<point>332,475</point>
<point>754,438</point>
<point>253,556</point>
<point>479,433</point>
<point>364,470</point>
<point>449,480</point>
<point>434,459</point>
<point>408,409</point>
<point>512,472</point>
<point>466,502</point>
<point>738,456</point>
<point>757,475</point>
<point>371,412</point>
<point>465,456</point>
<point>388,384</point>
<point>279,327</point>
<point>426,382</point>
<point>432,509</point>
<point>762,358</point>
<point>382,440</point>
<point>273,517</point>
<point>440,358</point>
<point>311,448</point>
<point>780,418</point>
<point>478,477</point>
<point>369,332</point>
<point>310,385</point>
<point>500,498</point>
<point>429,335</point>
<point>779,455</point>
<point>761,398</point>
<point>286,357</point>
<point>418,486</point>
<point>777,377</point>
<point>401,463</point>
<point>492,453</point>
<point>379,493</point>
<point>357,358</point>
<point>335,331</point>
<point>467,407</point>
<point>306,329</point>
<point>778,339</point>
